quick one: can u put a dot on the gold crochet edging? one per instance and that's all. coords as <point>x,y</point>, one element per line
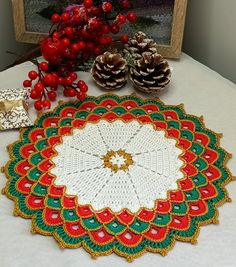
<point>129,258</point>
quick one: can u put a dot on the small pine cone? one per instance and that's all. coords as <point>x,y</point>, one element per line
<point>151,73</point>
<point>140,44</point>
<point>110,71</point>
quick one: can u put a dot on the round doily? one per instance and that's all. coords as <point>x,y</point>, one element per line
<point>118,174</point>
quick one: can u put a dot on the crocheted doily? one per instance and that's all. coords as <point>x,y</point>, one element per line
<point>118,174</point>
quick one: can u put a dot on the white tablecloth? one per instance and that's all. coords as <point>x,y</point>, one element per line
<point>203,92</point>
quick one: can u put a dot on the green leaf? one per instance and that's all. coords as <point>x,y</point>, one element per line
<point>63,3</point>
<point>143,22</point>
<point>86,66</point>
<point>47,12</point>
<point>129,59</point>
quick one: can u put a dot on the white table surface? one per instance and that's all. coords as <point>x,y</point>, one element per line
<point>203,92</point>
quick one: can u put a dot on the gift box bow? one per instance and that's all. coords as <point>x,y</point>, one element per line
<point>8,105</point>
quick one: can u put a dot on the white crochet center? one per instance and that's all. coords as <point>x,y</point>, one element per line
<point>155,169</point>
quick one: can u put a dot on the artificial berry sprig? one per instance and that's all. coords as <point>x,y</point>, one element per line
<point>81,32</point>
<point>44,86</point>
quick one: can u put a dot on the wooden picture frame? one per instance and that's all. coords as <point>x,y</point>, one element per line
<point>171,50</point>
<point>21,33</point>
<point>175,48</point>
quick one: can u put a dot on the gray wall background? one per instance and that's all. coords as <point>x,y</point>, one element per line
<point>7,37</point>
<point>210,35</point>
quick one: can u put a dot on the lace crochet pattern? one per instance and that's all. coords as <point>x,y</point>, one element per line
<point>94,165</point>
<point>118,174</point>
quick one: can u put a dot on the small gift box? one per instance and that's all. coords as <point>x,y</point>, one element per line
<point>13,109</point>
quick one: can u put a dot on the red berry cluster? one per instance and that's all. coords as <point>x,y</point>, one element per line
<point>44,86</point>
<point>84,31</point>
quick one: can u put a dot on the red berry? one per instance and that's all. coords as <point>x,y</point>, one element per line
<point>121,19</point>
<point>81,45</point>
<point>43,66</point>
<point>76,9</point>
<point>65,42</point>
<point>75,48</point>
<point>105,40</point>
<point>65,16</point>
<point>81,95</point>
<point>71,92</point>
<point>88,3</point>
<point>56,36</point>
<point>38,105</point>
<point>81,83</point>
<point>33,75</point>
<point>67,52</point>
<point>107,7</point>
<point>74,76</point>
<point>55,75</point>
<point>109,40</point>
<point>115,29</point>
<point>97,50</point>
<point>27,83</point>
<point>102,40</point>
<point>39,87</point>
<point>51,49</point>
<point>84,88</point>
<point>65,92</point>
<point>124,38</point>
<point>90,46</point>
<point>34,94</point>
<point>132,17</point>
<point>68,81</point>
<point>56,60</point>
<point>56,18</point>
<point>125,4</point>
<point>46,104</point>
<point>85,34</point>
<point>94,23</point>
<point>94,11</point>
<point>69,31</point>
<point>105,29</point>
<point>50,80</point>
<point>76,18</point>
<point>52,95</point>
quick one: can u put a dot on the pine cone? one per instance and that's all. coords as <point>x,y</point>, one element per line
<point>140,44</point>
<point>151,73</point>
<point>110,70</point>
